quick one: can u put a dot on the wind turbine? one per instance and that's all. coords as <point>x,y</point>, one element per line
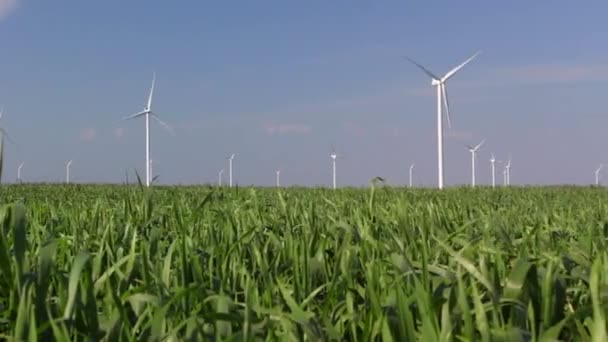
<point>507,172</point>
<point>333,157</point>
<point>442,94</point>
<point>67,171</point>
<point>230,169</point>
<point>493,162</point>
<point>219,182</point>
<point>278,174</point>
<point>597,174</point>
<point>147,112</point>
<point>411,173</point>
<point>473,151</point>
<point>19,172</point>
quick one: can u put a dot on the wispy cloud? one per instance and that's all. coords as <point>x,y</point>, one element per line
<point>119,133</point>
<point>354,129</point>
<point>7,7</point>
<point>557,73</point>
<point>88,134</point>
<point>286,128</point>
<point>538,74</point>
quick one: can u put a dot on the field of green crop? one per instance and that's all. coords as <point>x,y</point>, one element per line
<point>199,263</point>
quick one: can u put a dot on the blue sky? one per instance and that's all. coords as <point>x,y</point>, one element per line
<point>279,82</point>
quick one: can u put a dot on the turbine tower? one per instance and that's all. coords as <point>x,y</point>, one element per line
<point>473,151</point>
<point>147,112</point>
<point>507,172</point>
<point>19,172</point>
<point>230,169</point>
<point>411,175</point>
<point>67,171</point>
<point>333,157</point>
<point>219,175</point>
<point>597,175</point>
<point>493,164</point>
<point>442,100</point>
<point>278,177</point>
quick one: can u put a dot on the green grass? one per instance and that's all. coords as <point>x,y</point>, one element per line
<point>198,263</point>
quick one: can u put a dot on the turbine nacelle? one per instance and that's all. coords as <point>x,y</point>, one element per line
<point>435,82</point>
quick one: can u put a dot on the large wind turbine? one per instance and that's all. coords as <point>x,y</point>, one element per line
<point>67,171</point>
<point>3,130</point>
<point>442,100</point>
<point>19,172</point>
<point>148,113</point>
<point>230,159</point>
<point>597,174</point>
<point>411,175</point>
<point>473,151</point>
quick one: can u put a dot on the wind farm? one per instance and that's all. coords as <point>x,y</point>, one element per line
<point>312,185</point>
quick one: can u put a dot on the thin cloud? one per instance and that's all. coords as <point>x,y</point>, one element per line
<point>539,74</point>
<point>7,7</point>
<point>354,129</point>
<point>286,128</point>
<point>88,134</point>
<point>119,133</point>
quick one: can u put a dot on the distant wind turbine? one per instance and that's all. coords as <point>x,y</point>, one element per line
<point>411,175</point>
<point>278,176</point>
<point>473,151</point>
<point>493,163</point>
<point>507,173</point>
<point>334,156</point>
<point>230,159</point>
<point>148,112</point>
<point>597,174</point>
<point>219,175</point>
<point>19,172</point>
<point>67,171</point>
<point>442,94</point>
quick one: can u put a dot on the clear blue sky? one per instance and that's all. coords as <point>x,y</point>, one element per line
<point>279,82</point>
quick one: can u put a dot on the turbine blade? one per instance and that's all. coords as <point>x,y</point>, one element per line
<point>426,71</point>
<point>446,104</point>
<point>151,91</point>
<point>164,124</point>
<point>469,147</point>
<point>7,136</point>
<point>455,70</point>
<point>134,115</point>
<point>480,144</point>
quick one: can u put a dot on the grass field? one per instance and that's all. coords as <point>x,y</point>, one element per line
<point>194,263</point>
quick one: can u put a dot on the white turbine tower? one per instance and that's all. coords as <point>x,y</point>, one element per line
<point>230,159</point>
<point>148,113</point>
<point>219,175</point>
<point>442,100</point>
<point>67,171</point>
<point>597,175</point>
<point>278,177</point>
<point>473,151</point>
<point>411,175</point>
<point>493,165</point>
<point>19,172</point>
